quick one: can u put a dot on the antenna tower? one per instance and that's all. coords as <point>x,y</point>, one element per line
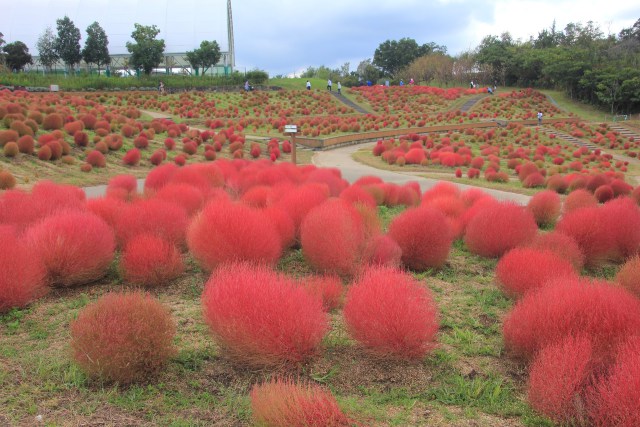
<point>232,51</point>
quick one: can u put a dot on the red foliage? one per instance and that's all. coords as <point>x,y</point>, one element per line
<point>262,318</point>
<point>328,288</point>
<point>614,398</point>
<point>356,194</point>
<point>499,227</point>
<point>604,193</point>
<point>332,238</point>
<point>424,237</point>
<point>132,157</point>
<point>558,379</point>
<point>383,250</point>
<point>52,121</point>
<point>524,269</point>
<point>155,217</point>
<point>75,247</point>
<point>579,199</point>
<point>545,207</point>
<point>284,225</point>
<point>123,338</point>
<point>26,144</point>
<point>224,232</point>
<point>298,201</point>
<point>622,220</point>
<point>589,228</point>
<point>128,183</point>
<point>106,208</point>
<point>629,275</point>
<point>605,313</point>
<point>186,196</point>
<point>391,314</point>
<point>282,402</point>
<point>561,244</point>
<point>96,159</point>
<point>159,177</point>
<point>22,274</point>
<point>150,261</point>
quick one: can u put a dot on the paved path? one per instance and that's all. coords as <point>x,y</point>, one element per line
<point>349,103</point>
<point>341,158</point>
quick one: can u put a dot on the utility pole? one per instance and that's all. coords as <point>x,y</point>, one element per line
<point>232,51</point>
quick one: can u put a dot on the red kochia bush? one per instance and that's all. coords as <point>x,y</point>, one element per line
<point>186,196</point>
<point>282,402</point>
<point>262,318</point>
<point>155,217</point>
<point>579,199</point>
<point>383,250</point>
<point>622,220</point>
<point>22,274</point>
<point>150,261</point>
<point>297,202</point>
<point>615,397</point>
<point>123,337</point>
<point>545,207</point>
<point>328,288</point>
<point>561,244</point>
<point>96,159</point>
<point>132,157</point>
<point>605,313</point>
<point>558,379</point>
<point>332,238</point>
<point>629,275</point>
<point>499,227</point>
<point>588,226</point>
<point>391,314</point>
<point>76,247</point>
<point>424,237</point>
<point>523,269</point>
<point>225,231</point>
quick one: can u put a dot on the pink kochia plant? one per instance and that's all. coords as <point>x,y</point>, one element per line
<point>262,318</point>
<point>391,314</point>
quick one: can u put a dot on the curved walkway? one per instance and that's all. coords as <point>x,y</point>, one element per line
<point>342,159</point>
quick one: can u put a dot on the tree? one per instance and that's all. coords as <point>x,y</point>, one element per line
<point>17,55</point>
<point>146,52</point>
<point>494,51</point>
<point>367,71</point>
<point>96,49</point>
<point>46,46</point>
<point>206,56</point>
<point>67,43</point>
<point>392,56</point>
<point>426,68</point>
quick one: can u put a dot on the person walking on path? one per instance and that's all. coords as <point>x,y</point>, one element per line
<point>329,84</point>
<point>339,89</point>
<point>308,85</point>
<point>539,118</point>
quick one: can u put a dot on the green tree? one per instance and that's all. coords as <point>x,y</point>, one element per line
<point>17,55</point>
<point>67,43</point>
<point>495,52</point>
<point>205,57</point>
<point>46,46</point>
<point>146,52</point>
<point>392,56</point>
<point>96,49</point>
<point>366,71</point>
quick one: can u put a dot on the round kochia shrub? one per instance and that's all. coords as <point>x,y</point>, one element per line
<point>22,274</point>
<point>391,314</point>
<point>76,247</point>
<point>332,238</point>
<point>545,207</point>
<point>499,227</point>
<point>588,227</point>
<point>283,402</point>
<point>629,275</point>
<point>614,398</point>
<point>150,261</point>
<point>558,378</point>
<point>123,337</point>
<point>262,318</point>
<point>605,313</point>
<point>523,269</point>
<point>224,231</point>
<point>328,288</point>
<point>155,217</point>
<point>424,237</point>
<point>561,244</point>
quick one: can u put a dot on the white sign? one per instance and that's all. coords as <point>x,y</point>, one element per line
<point>54,88</point>
<point>290,129</point>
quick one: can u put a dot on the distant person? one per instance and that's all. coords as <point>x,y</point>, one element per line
<point>489,90</point>
<point>329,85</point>
<point>308,85</point>
<point>369,83</point>
<point>411,81</point>
<point>339,89</point>
<point>539,118</point>
<point>247,86</point>
<point>401,82</point>
<point>471,84</point>
<point>386,83</point>
<point>161,87</point>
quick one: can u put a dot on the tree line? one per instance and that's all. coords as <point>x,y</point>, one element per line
<point>589,66</point>
<point>146,49</point>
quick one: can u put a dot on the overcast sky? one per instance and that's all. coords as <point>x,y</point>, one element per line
<point>287,36</point>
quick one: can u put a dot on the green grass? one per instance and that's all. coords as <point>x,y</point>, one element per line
<point>584,111</point>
